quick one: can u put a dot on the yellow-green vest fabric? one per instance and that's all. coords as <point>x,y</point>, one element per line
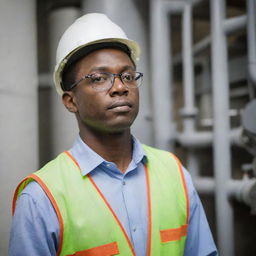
<point>88,225</point>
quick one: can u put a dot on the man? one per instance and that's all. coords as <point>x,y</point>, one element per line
<point>109,194</point>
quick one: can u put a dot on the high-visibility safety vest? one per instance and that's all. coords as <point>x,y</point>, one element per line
<point>88,224</point>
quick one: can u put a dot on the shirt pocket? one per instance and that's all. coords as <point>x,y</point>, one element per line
<point>173,234</point>
<point>102,250</point>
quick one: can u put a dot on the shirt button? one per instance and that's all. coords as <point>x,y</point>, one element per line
<point>134,229</point>
<point>123,182</point>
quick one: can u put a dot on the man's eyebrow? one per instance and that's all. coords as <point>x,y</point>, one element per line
<point>128,67</point>
<point>98,69</point>
<point>106,68</point>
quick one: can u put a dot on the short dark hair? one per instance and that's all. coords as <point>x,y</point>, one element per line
<point>69,76</point>
<point>70,70</point>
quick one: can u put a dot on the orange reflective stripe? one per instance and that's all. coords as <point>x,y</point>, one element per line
<point>21,186</point>
<point>184,185</point>
<point>55,206</point>
<point>106,202</point>
<point>149,213</point>
<point>73,159</point>
<point>103,250</point>
<point>23,183</point>
<point>113,213</point>
<point>173,234</point>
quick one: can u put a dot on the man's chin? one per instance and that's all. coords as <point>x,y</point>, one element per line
<point>118,129</point>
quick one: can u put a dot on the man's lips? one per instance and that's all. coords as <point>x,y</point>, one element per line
<point>120,106</point>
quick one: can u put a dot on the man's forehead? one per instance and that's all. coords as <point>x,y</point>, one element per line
<point>85,51</point>
<point>102,59</point>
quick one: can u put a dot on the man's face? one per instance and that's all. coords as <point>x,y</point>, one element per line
<point>108,111</point>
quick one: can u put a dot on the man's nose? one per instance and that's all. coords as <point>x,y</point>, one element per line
<point>118,87</point>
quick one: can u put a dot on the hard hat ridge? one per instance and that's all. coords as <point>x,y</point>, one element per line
<point>90,29</point>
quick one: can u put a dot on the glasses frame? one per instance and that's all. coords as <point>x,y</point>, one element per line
<point>140,75</point>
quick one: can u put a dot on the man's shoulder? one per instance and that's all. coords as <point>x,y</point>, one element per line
<point>54,170</point>
<point>35,192</point>
<point>58,163</point>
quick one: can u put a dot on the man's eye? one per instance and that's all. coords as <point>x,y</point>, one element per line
<point>98,79</point>
<point>128,77</point>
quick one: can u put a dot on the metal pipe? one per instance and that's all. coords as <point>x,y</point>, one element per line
<point>178,5</point>
<point>172,7</point>
<point>164,129</point>
<point>243,191</point>
<point>251,40</point>
<point>193,163</point>
<point>222,157</point>
<point>233,24</point>
<point>197,48</point>
<point>195,139</point>
<point>201,45</point>
<point>189,110</point>
<point>203,139</point>
<point>204,185</point>
<point>230,25</point>
<point>235,188</point>
<point>248,194</point>
<point>63,124</point>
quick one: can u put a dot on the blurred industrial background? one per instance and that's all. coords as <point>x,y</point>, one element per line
<point>198,98</point>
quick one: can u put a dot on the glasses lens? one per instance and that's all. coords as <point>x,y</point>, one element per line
<point>100,81</point>
<point>132,79</point>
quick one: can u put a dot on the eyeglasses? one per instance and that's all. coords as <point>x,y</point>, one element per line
<point>103,81</point>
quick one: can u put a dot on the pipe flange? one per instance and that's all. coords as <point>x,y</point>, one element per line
<point>248,194</point>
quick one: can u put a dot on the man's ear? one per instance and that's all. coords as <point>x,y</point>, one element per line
<point>69,102</point>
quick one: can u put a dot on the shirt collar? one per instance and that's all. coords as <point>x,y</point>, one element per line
<point>88,159</point>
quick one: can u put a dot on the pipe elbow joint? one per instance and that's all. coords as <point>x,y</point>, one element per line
<point>248,194</point>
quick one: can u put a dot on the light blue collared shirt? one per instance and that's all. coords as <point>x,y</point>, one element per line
<point>35,227</point>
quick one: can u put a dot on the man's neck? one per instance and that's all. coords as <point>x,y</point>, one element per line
<point>113,147</point>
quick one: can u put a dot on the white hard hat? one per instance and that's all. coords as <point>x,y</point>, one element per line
<point>90,29</point>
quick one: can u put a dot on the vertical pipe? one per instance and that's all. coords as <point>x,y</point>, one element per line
<point>63,124</point>
<point>193,163</point>
<point>222,158</point>
<point>164,128</point>
<point>18,97</point>
<point>205,102</point>
<point>189,110</point>
<point>251,39</point>
<point>137,30</point>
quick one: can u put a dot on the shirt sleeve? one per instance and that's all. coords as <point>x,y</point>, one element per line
<point>35,227</point>
<point>199,239</point>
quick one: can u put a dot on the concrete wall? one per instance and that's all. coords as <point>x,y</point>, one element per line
<point>18,97</point>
